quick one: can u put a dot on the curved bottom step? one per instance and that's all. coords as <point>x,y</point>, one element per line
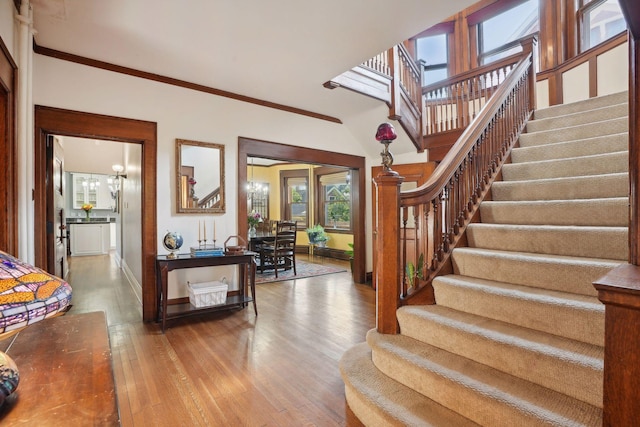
<point>377,400</point>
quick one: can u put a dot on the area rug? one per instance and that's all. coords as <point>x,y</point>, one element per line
<point>304,269</point>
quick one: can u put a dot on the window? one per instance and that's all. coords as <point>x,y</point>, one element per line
<point>295,188</point>
<point>498,35</point>
<point>599,20</point>
<point>258,199</point>
<point>335,200</point>
<point>433,53</point>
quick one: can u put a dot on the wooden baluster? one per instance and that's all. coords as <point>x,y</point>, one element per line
<point>426,245</point>
<point>403,255</point>
<point>416,246</point>
<point>440,109</point>
<point>435,232</point>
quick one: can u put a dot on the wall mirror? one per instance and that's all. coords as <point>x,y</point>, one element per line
<point>200,177</point>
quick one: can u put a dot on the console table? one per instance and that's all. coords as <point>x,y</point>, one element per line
<point>66,374</point>
<point>239,298</point>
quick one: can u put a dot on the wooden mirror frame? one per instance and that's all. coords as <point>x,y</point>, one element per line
<point>183,189</point>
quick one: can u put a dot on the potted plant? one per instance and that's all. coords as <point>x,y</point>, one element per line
<point>349,253</point>
<point>317,235</point>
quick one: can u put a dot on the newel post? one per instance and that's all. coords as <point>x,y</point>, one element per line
<point>387,235</point>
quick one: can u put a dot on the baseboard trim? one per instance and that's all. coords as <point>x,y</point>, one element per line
<point>137,288</point>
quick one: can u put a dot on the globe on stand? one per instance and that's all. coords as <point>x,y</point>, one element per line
<point>172,241</point>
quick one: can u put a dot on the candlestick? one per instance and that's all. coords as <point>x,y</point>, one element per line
<point>214,229</point>
<point>199,236</point>
<point>204,225</point>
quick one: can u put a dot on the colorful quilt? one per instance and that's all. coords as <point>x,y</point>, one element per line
<point>29,294</point>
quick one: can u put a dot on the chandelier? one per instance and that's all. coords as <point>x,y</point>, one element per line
<point>255,188</point>
<point>91,182</point>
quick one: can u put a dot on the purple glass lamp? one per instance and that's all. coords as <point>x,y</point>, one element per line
<point>385,135</point>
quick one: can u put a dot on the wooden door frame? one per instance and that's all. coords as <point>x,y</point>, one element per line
<point>8,153</point>
<point>55,121</point>
<point>248,147</point>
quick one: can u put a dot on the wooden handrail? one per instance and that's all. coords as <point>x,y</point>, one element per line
<point>444,205</point>
<point>210,200</point>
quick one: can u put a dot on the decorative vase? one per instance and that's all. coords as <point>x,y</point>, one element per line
<point>88,213</point>
<point>252,231</point>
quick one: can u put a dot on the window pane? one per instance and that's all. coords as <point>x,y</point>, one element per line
<point>602,22</point>
<point>297,200</point>
<point>509,26</point>
<point>336,200</point>
<point>435,75</point>
<point>433,49</point>
<point>503,54</point>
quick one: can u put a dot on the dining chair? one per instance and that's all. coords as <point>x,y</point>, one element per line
<point>282,252</point>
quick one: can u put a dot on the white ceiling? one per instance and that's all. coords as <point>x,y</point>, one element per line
<point>280,51</point>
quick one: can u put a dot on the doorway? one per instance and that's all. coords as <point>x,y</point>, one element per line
<point>54,121</point>
<point>248,148</point>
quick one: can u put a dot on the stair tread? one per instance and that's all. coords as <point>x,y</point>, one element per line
<point>481,393</point>
<point>528,293</point>
<point>574,316</point>
<point>579,117</point>
<point>569,240</point>
<point>567,149</point>
<point>596,128</point>
<point>509,348</point>
<point>612,211</point>
<point>508,334</point>
<point>562,273</point>
<point>387,401</point>
<point>596,164</point>
<point>584,105</point>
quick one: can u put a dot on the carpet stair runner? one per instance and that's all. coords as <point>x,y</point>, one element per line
<point>516,336</point>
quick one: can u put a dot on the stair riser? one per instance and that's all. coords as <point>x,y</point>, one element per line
<point>577,321</point>
<point>562,168</point>
<point>499,349</point>
<point>581,118</point>
<point>553,273</point>
<point>589,187</point>
<point>608,127</point>
<point>590,212</point>
<point>564,150</point>
<point>473,397</point>
<point>591,242</point>
<point>576,107</point>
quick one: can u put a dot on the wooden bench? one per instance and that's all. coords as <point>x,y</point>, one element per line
<point>66,375</point>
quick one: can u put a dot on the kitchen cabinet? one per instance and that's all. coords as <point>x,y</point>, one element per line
<point>90,238</point>
<point>99,196</point>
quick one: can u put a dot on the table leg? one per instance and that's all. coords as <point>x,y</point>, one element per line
<point>252,284</point>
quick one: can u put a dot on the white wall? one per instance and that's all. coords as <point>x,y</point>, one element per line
<point>8,27</point>
<point>180,114</point>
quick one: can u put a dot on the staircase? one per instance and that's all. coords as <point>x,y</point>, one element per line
<point>516,335</point>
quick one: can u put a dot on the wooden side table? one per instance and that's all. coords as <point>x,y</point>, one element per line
<point>240,298</point>
<point>66,375</point>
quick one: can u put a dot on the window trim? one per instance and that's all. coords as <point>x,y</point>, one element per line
<point>319,199</point>
<point>583,9</point>
<point>285,213</point>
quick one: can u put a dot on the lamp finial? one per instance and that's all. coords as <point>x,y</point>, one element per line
<point>385,135</point>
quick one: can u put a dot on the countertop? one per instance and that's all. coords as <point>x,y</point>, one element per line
<point>96,220</point>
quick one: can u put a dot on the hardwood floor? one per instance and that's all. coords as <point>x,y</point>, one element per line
<point>233,368</point>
